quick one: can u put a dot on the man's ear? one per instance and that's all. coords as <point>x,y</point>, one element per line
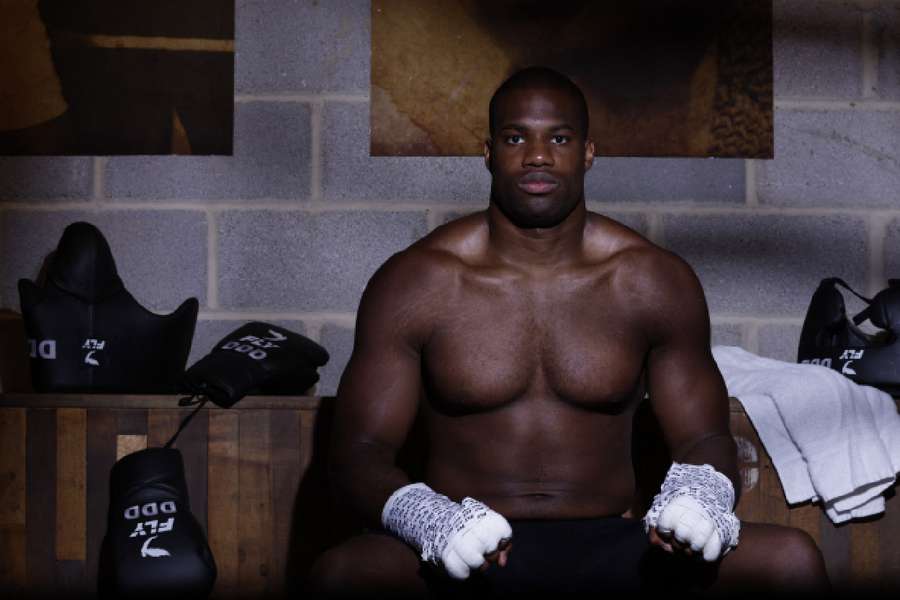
<point>487,154</point>
<point>588,154</point>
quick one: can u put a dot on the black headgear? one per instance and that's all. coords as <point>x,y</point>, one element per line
<point>86,333</point>
<point>831,339</point>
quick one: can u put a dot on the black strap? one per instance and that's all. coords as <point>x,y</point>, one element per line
<point>187,401</point>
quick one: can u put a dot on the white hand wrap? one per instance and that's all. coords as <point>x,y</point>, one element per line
<point>695,503</point>
<point>445,532</point>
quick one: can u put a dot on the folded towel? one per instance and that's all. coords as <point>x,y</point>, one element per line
<point>830,439</point>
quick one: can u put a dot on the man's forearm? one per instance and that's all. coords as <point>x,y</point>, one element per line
<point>719,451</point>
<point>364,479</point>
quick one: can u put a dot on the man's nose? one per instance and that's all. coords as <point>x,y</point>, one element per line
<point>538,154</point>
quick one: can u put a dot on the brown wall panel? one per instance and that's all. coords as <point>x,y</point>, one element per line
<point>41,506</point>
<point>13,573</point>
<point>255,513</point>
<point>71,450</point>
<point>223,508</point>
<point>101,456</point>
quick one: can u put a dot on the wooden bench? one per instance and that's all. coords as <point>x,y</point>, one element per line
<point>256,480</point>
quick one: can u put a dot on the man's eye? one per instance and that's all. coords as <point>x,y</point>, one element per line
<point>560,139</point>
<point>514,139</point>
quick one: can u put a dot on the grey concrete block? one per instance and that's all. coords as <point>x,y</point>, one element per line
<point>160,255</point>
<point>210,331</point>
<point>833,158</point>
<point>700,180</point>
<point>886,22</point>
<point>779,341</point>
<point>817,49</point>
<point>45,177</point>
<point>767,264</point>
<point>892,250</point>
<point>272,149</point>
<point>339,343</point>
<point>299,261</point>
<point>350,174</point>
<point>306,46</point>
<point>727,334</point>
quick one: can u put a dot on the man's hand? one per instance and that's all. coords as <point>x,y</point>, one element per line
<point>684,526</point>
<point>693,512</point>
<point>479,533</point>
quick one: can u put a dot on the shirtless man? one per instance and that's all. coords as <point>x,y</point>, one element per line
<point>524,338</point>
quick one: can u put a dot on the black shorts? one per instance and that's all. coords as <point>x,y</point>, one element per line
<point>583,556</point>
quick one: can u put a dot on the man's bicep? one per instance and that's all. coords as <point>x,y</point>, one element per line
<point>685,386</point>
<point>379,391</point>
<point>378,394</point>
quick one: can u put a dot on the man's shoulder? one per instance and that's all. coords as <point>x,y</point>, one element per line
<point>432,262</point>
<point>641,268</point>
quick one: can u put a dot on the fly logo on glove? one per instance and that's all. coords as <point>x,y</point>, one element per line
<point>455,535</point>
<point>695,506</point>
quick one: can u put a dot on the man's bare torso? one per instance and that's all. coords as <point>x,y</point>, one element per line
<point>531,379</point>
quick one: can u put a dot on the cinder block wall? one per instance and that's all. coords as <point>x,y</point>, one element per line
<point>289,229</point>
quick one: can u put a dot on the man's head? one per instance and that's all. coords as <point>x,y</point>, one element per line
<point>538,151</point>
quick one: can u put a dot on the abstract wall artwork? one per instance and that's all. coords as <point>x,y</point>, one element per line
<point>116,76</point>
<point>662,77</point>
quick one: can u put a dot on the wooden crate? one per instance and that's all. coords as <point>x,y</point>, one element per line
<point>256,484</point>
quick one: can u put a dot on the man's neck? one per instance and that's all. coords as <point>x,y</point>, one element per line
<point>537,247</point>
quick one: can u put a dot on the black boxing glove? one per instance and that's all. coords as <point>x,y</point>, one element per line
<point>154,547</point>
<point>256,358</point>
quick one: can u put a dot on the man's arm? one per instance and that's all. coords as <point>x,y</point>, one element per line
<point>378,395</point>
<point>687,392</point>
<point>690,400</point>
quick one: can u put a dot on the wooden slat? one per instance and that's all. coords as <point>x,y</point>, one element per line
<point>131,421</point>
<point>223,509</point>
<point>161,424</point>
<point>285,432</point>
<point>889,541</point>
<point>192,442</point>
<point>835,545</point>
<point>101,455</point>
<point>13,481</point>
<point>71,514</point>
<point>128,444</point>
<point>41,506</point>
<point>864,553</point>
<point>254,529</point>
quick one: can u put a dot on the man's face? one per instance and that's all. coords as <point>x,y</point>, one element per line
<point>537,157</point>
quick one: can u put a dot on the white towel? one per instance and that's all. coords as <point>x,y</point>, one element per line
<point>829,438</point>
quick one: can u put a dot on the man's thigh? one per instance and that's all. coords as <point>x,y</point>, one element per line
<point>365,564</point>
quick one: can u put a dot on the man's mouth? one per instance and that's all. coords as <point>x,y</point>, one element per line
<point>538,183</point>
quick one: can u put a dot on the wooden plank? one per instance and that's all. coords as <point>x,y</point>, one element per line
<point>41,504</point>
<point>128,444</point>
<point>71,512</point>
<point>285,432</point>
<point>161,424</point>
<point>192,442</point>
<point>131,421</point>
<point>889,541</point>
<point>72,579</point>
<point>148,401</point>
<point>864,553</point>
<point>255,526</point>
<point>222,485</point>
<point>835,545</point>
<point>13,483</point>
<point>101,455</point>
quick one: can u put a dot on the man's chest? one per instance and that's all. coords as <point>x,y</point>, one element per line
<point>496,346</point>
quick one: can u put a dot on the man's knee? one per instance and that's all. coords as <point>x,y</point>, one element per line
<point>799,558</point>
<point>364,565</point>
